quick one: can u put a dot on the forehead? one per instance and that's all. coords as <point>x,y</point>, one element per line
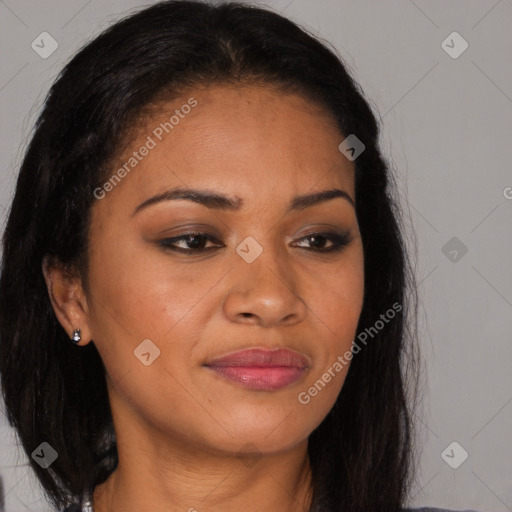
<point>237,140</point>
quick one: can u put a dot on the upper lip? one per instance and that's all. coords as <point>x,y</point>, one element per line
<point>261,357</point>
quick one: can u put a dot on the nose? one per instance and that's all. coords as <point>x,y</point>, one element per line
<point>266,292</point>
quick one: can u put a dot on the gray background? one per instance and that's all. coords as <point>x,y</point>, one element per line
<point>447,131</point>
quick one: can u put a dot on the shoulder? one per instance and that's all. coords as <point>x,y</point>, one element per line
<point>431,509</point>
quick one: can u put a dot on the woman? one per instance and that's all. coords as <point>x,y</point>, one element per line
<point>203,296</point>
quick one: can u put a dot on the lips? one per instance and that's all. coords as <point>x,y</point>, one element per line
<point>262,358</point>
<point>261,369</point>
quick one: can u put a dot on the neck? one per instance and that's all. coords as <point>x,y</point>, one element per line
<point>270,483</point>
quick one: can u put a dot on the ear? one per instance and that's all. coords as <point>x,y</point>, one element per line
<point>67,298</point>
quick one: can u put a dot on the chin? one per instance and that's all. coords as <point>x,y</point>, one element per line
<point>262,436</point>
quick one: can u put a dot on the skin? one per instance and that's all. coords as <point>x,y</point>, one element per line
<point>188,439</point>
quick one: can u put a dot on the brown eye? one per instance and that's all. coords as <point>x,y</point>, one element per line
<point>317,241</point>
<point>191,243</point>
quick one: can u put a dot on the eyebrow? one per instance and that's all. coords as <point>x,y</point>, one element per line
<point>218,201</point>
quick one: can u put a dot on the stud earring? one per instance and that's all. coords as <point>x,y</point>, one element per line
<point>77,336</point>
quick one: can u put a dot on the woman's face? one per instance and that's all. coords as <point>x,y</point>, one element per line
<point>160,310</point>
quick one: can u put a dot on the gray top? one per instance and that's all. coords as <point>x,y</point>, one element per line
<point>430,509</point>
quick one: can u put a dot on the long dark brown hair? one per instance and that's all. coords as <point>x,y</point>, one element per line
<point>362,455</point>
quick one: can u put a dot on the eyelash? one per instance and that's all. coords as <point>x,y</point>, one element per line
<point>338,242</point>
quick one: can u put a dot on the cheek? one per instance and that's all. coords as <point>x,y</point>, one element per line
<point>147,293</point>
<point>143,295</point>
<point>156,307</point>
<point>336,299</point>
<point>337,305</point>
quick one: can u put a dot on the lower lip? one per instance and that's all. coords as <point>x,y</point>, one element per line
<point>260,378</point>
